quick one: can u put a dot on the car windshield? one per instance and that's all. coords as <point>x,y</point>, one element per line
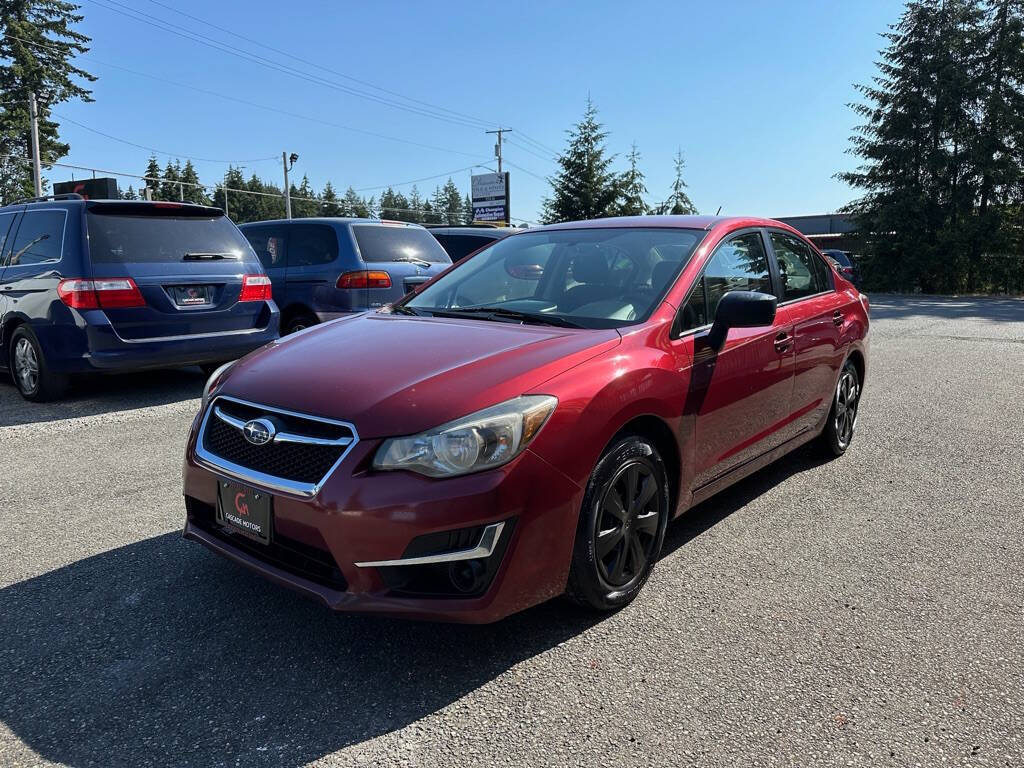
<point>592,278</point>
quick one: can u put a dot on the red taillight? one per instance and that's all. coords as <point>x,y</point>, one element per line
<point>365,279</point>
<point>255,288</point>
<point>101,293</point>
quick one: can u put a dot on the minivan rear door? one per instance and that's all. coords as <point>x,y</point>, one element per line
<point>407,252</point>
<point>187,261</point>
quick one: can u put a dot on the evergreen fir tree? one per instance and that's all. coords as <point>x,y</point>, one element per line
<point>354,205</point>
<point>632,190</point>
<point>330,205</point>
<point>37,44</point>
<point>190,181</point>
<point>153,176</point>
<point>585,186</point>
<point>170,189</point>
<point>416,204</point>
<point>678,203</point>
<point>467,209</point>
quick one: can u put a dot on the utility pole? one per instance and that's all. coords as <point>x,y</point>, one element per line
<point>288,161</point>
<point>497,147</point>
<point>37,176</point>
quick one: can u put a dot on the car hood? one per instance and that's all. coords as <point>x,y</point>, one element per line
<point>398,375</point>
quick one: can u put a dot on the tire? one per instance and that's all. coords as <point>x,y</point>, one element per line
<point>298,323</point>
<point>29,369</point>
<point>842,417</point>
<point>617,543</point>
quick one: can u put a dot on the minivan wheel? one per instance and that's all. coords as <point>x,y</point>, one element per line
<point>299,323</point>
<point>32,376</point>
<point>622,525</point>
<point>842,418</point>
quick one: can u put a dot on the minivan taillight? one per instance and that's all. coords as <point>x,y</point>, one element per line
<point>100,293</point>
<point>255,288</point>
<point>365,279</point>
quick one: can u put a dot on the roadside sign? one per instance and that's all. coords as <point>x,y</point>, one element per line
<point>490,194</point>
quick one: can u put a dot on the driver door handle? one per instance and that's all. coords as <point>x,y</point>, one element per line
<point>782,341</point>
<point>837,317</point>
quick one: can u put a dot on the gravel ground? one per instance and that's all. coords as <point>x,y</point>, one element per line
<point>867,611</point>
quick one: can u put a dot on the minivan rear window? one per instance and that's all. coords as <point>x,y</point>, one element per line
<point>384,242</point>
<point>116,238</point>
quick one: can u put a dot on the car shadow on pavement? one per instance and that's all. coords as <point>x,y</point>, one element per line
<point>161,653</point>
<point>996,309</point>
<point>94,395</point>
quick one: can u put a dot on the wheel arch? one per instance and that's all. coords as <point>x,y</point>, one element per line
<point>658,432</point>
<point>856,357</point>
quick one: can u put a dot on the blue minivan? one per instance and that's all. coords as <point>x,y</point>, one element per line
<point>110,285</point>
<point>325,268</point>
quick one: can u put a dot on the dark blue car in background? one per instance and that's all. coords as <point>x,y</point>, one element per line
<point>325,268</point>
<point>107,285</point>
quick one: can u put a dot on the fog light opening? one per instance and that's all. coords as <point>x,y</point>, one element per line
<point>467,576</point>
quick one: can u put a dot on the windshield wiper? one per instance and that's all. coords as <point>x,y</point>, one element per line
<point>404,310</point>
<point>199,255</point>
<point>418,262</point>
<point>538,318</point>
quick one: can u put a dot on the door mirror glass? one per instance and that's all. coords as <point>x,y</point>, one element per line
<point>741,309</point>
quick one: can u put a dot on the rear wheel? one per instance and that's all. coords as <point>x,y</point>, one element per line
<point>621,527</point>
<point>842,418</point>
<point>32,376</point>
<point>299,322</point>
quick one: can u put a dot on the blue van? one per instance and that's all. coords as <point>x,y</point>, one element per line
<point>110,285</point>
<point>328,267</point>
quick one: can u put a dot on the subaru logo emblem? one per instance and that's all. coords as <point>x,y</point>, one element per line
<point>259,431</point>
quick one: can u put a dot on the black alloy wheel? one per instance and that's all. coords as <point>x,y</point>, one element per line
<point>622,525</point>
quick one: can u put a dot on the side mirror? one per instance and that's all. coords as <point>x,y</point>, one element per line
<point>741,309</point>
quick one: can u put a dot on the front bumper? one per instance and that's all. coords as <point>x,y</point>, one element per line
<point>360,516</point>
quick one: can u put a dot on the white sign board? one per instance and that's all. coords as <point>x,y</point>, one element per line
<point>490,197</point>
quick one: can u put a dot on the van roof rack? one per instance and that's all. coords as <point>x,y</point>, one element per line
<point>44,198</point>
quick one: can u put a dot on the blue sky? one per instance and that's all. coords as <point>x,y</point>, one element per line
<point>753,93</point>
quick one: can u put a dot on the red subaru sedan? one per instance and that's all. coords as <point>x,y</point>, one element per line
<point>526,424</point>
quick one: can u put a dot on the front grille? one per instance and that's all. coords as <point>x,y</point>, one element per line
<point>305,464</point>
<point>289,555</point>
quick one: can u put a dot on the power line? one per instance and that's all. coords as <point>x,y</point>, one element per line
<point>318,66</point>
<point>516,144</point>
<point>416,181</point>
<point>537,144</point>
<point>159,151</point>
<point>253,58</point>
<point>528,173</point>
<point>276,110</point>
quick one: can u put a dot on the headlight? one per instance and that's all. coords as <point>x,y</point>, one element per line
<point>213,381</point>
<point>482,440</point>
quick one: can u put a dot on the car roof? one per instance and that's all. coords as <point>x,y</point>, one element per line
<point>333,220</point>
<point>681,222</point>
<point>495,232</point>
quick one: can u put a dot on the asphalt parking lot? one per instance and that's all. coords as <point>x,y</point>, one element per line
<point>865,611</point>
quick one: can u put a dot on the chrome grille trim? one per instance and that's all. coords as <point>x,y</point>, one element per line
<point>238,472</point>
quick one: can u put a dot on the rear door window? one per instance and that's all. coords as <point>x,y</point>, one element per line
<point>460,246</point>
<point>311,244</point>
<point>135,238</point>
<point>386,242</point>
<point>269,244</point>
<point>803,273</point>
<point>40,238</point>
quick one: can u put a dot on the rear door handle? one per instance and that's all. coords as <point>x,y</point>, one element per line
<point>837,317</point>
<point>782,341</point>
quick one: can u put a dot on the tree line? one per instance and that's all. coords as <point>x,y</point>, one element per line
<point>254,199</point>
<point>941,151</point>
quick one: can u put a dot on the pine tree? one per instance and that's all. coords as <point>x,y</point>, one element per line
<point>330,205</point>
<point>239,206</point>
<point>917,173</point>
<point>129,194</point>
<point>585,186</point>
<point>190,181</point>
<point>304,201</point>
<point>401,209</point>
<point>170,189</point>
<point>355,206</point>
<point>467,209</point>
<point>387,204</point>
<point>37,43</point>
<point>152,181</point>
<point>678,203</point>
<point>452,203</point>
<point>632,191</point>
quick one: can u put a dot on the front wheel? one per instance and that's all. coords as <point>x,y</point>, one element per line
<point>842,418</point>
<point>32,376</point>
<point>621,527</point>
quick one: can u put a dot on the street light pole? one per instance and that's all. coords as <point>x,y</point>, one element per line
<point>288,161</point>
